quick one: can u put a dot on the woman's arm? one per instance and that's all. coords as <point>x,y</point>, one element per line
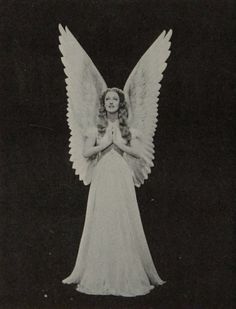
<point>132,150</point>
<point>89,146</point>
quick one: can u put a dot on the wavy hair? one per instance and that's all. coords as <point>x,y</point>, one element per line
<point>102,121</point>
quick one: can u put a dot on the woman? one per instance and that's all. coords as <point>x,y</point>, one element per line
<point>113,256</point>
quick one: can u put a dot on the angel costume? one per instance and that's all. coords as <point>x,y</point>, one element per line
<point>113,256</point>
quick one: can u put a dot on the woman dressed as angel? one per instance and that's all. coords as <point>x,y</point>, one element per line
<point>112,149</point>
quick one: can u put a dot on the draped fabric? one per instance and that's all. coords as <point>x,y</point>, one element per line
<point>113,256</point>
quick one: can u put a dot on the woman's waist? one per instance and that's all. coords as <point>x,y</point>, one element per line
<point>111,160</point>
<point>111,149</point>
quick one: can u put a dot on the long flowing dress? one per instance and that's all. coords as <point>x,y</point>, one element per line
<point>113,256</point>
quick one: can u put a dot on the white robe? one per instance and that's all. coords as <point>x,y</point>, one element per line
<point>113,256</point>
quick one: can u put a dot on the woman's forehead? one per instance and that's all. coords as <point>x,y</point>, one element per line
<point>112,92</point>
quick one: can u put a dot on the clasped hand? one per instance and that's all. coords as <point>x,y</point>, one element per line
<point>112,138</point>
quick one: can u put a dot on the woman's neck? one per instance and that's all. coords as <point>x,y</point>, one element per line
<point>112,117</point>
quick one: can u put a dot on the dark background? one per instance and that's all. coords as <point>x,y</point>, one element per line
<point>186,205</point>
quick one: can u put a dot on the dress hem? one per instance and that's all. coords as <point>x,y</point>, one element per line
<point>112,292</point>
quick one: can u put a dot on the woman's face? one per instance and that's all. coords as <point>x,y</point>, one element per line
<point>112,102</point>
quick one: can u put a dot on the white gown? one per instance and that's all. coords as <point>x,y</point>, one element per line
<point>113,256</point>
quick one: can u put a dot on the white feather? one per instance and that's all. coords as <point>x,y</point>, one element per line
<point>142,91</point>
<point>84,87</point>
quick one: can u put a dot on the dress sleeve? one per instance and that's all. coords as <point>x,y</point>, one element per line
<point>137,165</point>
<point>90,132</point>
<point>92,160</point>
<point>135,133</point>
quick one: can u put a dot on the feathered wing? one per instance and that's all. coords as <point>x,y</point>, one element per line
<point>84,87</point>
<point>142,91</point>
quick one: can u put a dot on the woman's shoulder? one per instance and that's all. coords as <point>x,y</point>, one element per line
<point>91,132</point>
<point>135,133</point>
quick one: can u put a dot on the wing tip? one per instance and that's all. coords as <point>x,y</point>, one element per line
<point>61,29</point>
<point>67,29</point>
<point>169,34</point>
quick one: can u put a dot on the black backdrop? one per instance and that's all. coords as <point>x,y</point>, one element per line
<point>186,203</point>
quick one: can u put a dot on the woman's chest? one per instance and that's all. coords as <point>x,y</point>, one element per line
<point>115,136</point>
<point>110,132</point>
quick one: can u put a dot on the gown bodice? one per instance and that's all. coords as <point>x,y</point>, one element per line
<point>111,126</point>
